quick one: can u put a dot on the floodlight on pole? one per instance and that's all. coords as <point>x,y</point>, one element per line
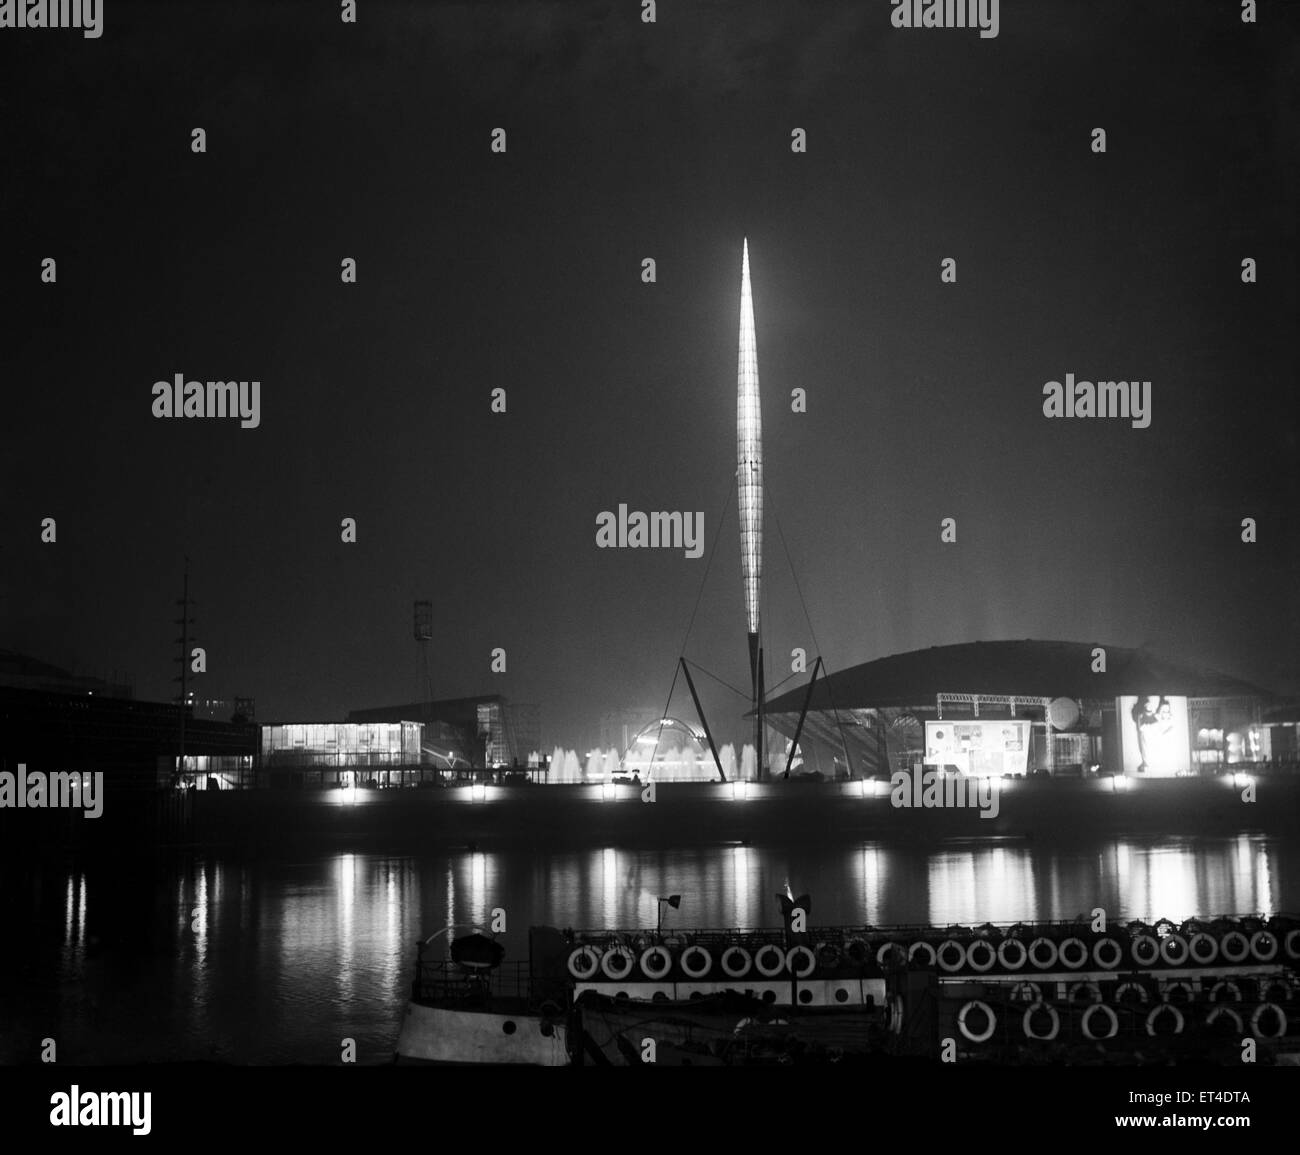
<point>673,900</point>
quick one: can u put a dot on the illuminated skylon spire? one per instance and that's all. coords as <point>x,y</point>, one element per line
<point>749,487</point>
<point>749,455</point>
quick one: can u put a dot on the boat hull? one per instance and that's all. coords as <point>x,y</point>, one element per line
<point>432,1034</point>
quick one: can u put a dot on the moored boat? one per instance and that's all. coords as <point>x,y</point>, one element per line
<point>472,1007</point>
<point>1024,992</point>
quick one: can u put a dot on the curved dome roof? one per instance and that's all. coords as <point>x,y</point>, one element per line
<point>1032,668</point>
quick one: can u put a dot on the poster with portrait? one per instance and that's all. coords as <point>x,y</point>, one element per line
<point>1153,735</point>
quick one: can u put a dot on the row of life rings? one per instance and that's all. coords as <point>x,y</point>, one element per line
<point>1044,953</point>
<point>1109,1026</point>
<point>1202,948</point>
<point>1026,1023</point>
<point>1221,1011</point>
<point>617,962</point>
<point>1276,988</point>
<point>980,955</point>
<point>951,955</point>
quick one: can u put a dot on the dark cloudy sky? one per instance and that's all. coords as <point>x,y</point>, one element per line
<point>522,271</point>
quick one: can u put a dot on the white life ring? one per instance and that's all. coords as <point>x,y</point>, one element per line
<point>1263,946</point>
<point>990,956</point>
<point>1177,985</point>
<point>1144,950</point>
<point>1026,992</point>
<point>736,962</point>
<point>1164,1009</point>
<point>1125,988</point>
<point>890,950</point>
<point>1227,987</point>
<point>1259,1013</point>
<point>804,968</point>
<point>895,1014</point>
<point>696,962</point>
<point>1112,948</point>
<point>1111,1017</point>
<point>922,947</point>
<point>829,956</point>
<point>770,960</point>
<point>584,962</point>
<point>1028,1016</point>
<point>987,1033</point>
<point>1292,944</point>
<point>1221,1009</point>
<point>1084,986</point>
<point>1009,945</point>
<point>653,969</point>
<point>1276,989</point>
<point>945,955</point>
<point>1234,946</point>
<point>1078,948</point>
<point>857,950</point>
<point>1203,948</point>
<point>617,962</point>
<point>1174,950</point>
<point>1035,953</point>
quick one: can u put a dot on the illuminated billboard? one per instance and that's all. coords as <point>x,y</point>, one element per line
<point>1153,735</point>
<point>979,747</point>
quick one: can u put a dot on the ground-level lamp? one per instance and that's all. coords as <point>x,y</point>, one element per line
<point>673,900</point>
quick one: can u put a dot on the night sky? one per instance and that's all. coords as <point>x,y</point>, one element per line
<point>522,271</point>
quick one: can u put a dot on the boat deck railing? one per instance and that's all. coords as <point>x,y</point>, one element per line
<point>442,980</point>
<point>839,935</point>
<point>510,984</point>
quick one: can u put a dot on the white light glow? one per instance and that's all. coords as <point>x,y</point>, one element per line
<point>610,887</point>
<point>74,928</point>
<point>742,886</point>
<point>870,884</point>
<point>478,882</point>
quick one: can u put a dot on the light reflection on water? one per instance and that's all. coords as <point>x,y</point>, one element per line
<point>274,962</point>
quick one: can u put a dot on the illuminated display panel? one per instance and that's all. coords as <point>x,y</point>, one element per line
<point>982,747</point>
<point>1153,735</point>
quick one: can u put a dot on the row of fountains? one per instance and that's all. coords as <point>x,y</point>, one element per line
<point>680,764</point>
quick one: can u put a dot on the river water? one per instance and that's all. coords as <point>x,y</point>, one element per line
<point>279,961</point>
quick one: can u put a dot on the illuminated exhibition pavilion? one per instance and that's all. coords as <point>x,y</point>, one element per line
<point>1017,707</point>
